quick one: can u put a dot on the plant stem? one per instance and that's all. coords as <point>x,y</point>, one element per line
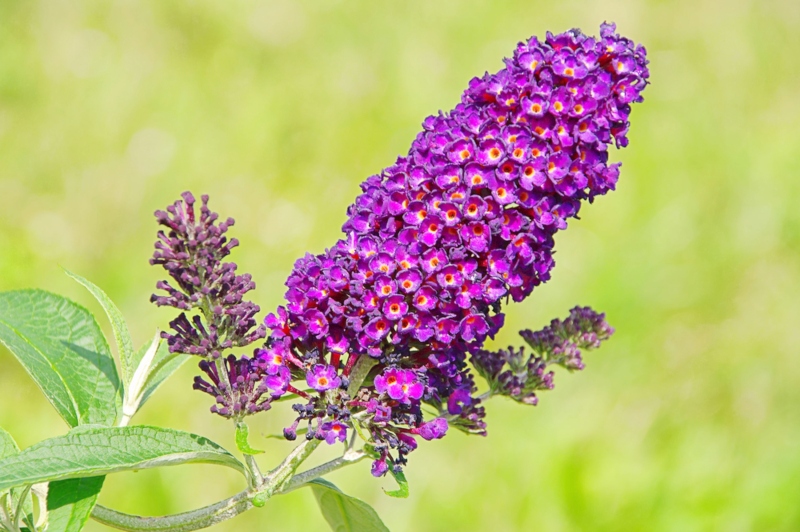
<point>276,478</point>
<point>20,504</point>
<point>254,473</point>
<point>183,522</point>
<point>231,507</point>
<point>300,479</point>
<point>5,512</point>
<point>486,395</point>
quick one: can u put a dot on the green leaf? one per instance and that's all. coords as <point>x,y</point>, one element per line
<point>402,492</point>
<point>118,326</point>
<point>61,346</point>
<point>344,513</point>
<point>155,365</point>
<point>69,503</point>
<point>164,365</point>
<point>8,447</point>
<point>242,433</point>
<point>95,451</point>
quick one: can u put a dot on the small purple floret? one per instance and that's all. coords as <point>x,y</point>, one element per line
<point>433,430</point>
<point>323,377</point>
<point>399,384</point>
<point>332,431</point>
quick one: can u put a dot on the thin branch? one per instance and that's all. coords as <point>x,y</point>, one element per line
<point>183,522</point>
<point>25,491</point>
<point>276,478</point>
<point>300,479</point>
<point>229,508</point>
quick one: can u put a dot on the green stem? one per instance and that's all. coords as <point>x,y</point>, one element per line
<point>485,396</point>
<point>277,478</point>
<point>20,504</point>
<point>231,507</point>
<point>183,522</point>
<point>300,479</point>
<point>253,472</point>
<point>5,512</point>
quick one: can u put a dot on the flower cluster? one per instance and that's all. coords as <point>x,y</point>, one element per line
<point>561,341</point>
<point>243,390</point>
<point>437,240</point>
<point>192,253</point>
<point>515,375</point>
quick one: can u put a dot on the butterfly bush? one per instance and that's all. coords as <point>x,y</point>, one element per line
<point>431,249</point>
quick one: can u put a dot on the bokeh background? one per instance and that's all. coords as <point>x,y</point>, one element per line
<point>689,419</point>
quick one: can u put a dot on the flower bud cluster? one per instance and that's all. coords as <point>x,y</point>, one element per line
<point>561,342</point>
<point>519,376</point>
<point>192,252</point>
<point>438,240</point>
<point>242,391</point>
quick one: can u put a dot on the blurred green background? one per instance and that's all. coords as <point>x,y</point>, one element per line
<point>688,419</point>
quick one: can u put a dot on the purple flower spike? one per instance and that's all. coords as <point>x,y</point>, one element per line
<point>316,322</point>
<point>378,328</point>
<point>441,239</point>
<point>491,152</point>
<point>425,299</point>
<point>192,252</point>
<point>323,377</point>
<point>409,281</point>
<point>272,358</point>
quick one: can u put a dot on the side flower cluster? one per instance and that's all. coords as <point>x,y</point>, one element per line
<point>192,252</point>
<point>241,391</point>
<point>519,376</point>
<point>438,240</point>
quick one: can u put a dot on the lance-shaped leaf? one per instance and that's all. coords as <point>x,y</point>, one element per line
<point>343,512</point>
<point>70,502</point>
<point>118,326</point>
<point>95,451</point>
<point>156,364</point>
<point>61,346</point>
<point>8,446</point>
<point>162,366</point>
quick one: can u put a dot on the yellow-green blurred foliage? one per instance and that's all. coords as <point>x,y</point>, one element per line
<point>688,419</point>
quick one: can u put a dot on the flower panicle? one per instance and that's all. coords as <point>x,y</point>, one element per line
<point>191,249</point>
<point>562,341</point>
<point>517,375</point>
<point>432,248</point>
<point>439,240</point>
